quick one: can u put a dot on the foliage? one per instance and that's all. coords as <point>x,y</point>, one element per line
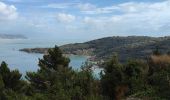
<point>55,80</point>
<point>127,47</point>
<point>135,72</point>
<point>112,79</point>
<point>11,85</point>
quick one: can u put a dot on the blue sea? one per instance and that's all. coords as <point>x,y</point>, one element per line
<point>24,62</point>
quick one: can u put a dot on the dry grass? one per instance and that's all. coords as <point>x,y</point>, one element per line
<point>161,59</point>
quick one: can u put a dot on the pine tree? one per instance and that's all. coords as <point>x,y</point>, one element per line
<point>112,80</point>
<point>53,60</point>
<point>53,76</point>
<point>11,79</point>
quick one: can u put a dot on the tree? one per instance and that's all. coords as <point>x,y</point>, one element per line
<point>11,79</point>
<point>159,76</point>
<point>135,72</point>
<point>47,80</point>
<point>156,51</point>
<point>112,80</point>
<point>52,63</point>
<point>12,87</point>
<point>87,84</point>
<point>53,60</point>
<point>57,80</point>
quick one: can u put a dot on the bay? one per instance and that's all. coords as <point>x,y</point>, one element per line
<point>24,62</point>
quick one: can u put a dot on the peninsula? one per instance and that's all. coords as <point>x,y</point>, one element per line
<point>126,47</point>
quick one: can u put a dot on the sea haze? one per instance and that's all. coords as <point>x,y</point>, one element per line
<point>12,36</point>
<point>9,52</point>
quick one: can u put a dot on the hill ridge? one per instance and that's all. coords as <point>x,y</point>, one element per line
<point>103,48</point>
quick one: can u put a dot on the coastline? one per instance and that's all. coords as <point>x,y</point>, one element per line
<point>91,59</point>
<point>45,50</point>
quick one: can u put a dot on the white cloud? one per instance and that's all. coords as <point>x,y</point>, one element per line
<point>58,5</point>
<point>66,18</point>
<point>86,6</point>
<point>133,19</point>
<point>127,7</point>
<point>7,12</point>
<point>130,18</point>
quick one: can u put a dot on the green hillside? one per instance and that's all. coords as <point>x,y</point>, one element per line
<point>125,47</point>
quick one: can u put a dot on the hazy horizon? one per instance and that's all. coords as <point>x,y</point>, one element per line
<point>84,20</point>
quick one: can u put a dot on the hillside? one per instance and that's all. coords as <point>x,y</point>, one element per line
<point>125,47</point>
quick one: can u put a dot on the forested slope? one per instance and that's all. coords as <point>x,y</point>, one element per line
<point>125,47</point>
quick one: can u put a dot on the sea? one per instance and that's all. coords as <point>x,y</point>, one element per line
<point>26,62</point>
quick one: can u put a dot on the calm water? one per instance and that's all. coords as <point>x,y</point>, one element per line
<point>9,52</point>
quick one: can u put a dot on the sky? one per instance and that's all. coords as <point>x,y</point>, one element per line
<point>84,19</point>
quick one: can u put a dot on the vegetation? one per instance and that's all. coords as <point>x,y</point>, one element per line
<point>55,80</point>
<point>127,47</point>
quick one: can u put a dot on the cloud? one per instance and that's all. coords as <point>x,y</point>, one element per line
<point>66,18</point>
<point>133,18</point>
<point>86,6</point>
<point>87,20</point>
<point>8,12</point>
<point>127,7</point>
<point>58,5</point>
<point>129,18</point>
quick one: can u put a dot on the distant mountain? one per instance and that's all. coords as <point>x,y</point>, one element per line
<point>11,36</point>
<point>125,47</point>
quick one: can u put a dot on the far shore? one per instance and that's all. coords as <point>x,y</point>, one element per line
<point>45,51</point>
